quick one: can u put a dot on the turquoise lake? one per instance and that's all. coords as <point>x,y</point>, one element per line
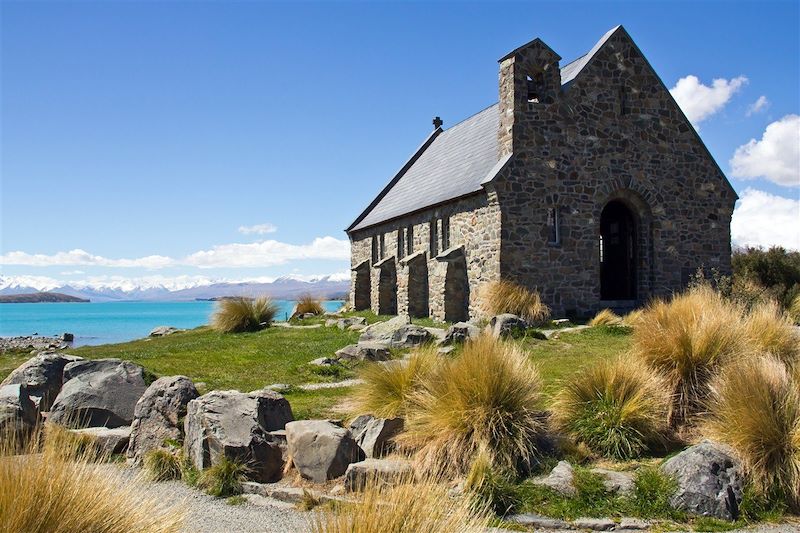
<point>109,322</point>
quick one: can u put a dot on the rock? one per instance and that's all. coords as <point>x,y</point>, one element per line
<point>347,323</point>
<point>594,524</point>
<point>365,351</point>
<point>100,393</point>
<point>537,521</point>
<point>560,321</point>
<point>109,441</point>
<point>616,482</point>
<point>279,437</point>
<point>460,332</point>
<point>560,479</point>
<point>163,331</point>
<point>374,435</point>
<point>330,322</point>
<point>384,331</point>
<point>321,450</point>
<point>237,425</point>
<point>709,481</point>
<point>18,414</point>
<point>357,327</point>
<point>159,414</point>
<point>42,375</point>
<point>279,387</point>
<point>323,361</point>
<point>67,337</point>
<point>634,523</point>
<point>379,471</point>
<point>410,336</point>
<point>507,324</point>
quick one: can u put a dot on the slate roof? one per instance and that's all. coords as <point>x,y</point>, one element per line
<point>451,163</point>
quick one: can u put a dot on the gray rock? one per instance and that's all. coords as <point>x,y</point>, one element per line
<point>321,450</point>
<point>506,324</point>
<point>560,479</point>
<point>709,481</point>
<point>409,336</point>
<point>67,337</point>
<point>18,414</point>
<point>374,435</point>
<point>594,524</point>
<point>379,471</point>
<point>109,441</point>
<point>633,524</point>
<point>101,393</point>
<point>279,387</point>
<point>323,361</point>
<point>537,521</point>
<point>348,322</point>
<point>43,377</point>
<point>163,331</point>
<point>329,323</point>
<point>616,482</point>
<point>237,425</point>
<point>460,332</point>
<point>365,351</point>
<point>159,414</point>
<point>384,331</point>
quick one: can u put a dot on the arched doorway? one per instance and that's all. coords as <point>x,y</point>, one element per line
<point>456,291</point>
<point>361,288</point>
<point>387,289</point>
<point>418,287</point>
<point>618,252</point>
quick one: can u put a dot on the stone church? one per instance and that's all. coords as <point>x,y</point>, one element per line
<point>585,181</point>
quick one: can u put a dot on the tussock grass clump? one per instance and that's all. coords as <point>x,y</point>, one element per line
<point>794,309</point>
<point>617,408</point>
<point>239,314</point>
<point>389,388</point>
<point>507,297</point>
<point>755,409</point>
<point>162,465</point>
<point>53,488</point>
<point>606,317</point>
<point>688,339</point>
<point>308,304</point>
<point>771,331</point>
<point>632,318</point>
<point>492,487</point>
<point>224,478</point>
<point>422,507</point>
<point>484,399</point>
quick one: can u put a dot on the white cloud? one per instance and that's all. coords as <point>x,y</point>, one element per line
<point>759,105</point>
<point>764,219</point>
<point>236,255</point>
<point>258,229</point>
<point>700,101</point>
<point>775,157</point>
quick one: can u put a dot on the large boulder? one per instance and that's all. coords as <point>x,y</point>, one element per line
<point>365,351</point>
<point>409,336</point>
<point>375,435</point>
<point>108,441</point>
<point>381,472</point>
<point>384,331</point>
<point>43,377</point>
<point>561,479</point>
<point>158,416</point>
<point>320,449</point>
<point>710,481</point>
<point>100,393</point>
<point>237,425</point>
<point>460,332</point>
<point>18,414</point>
<point>507,324</point>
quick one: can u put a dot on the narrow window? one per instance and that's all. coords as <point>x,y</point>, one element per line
<point>401,246</point>
<point>382,247</point>
<point>624,101</point>
<point>410,239</point>
<point>553,226</point>
<point>445,233</point>
<point>601,248</point>
<point>374,249</point>
<point>535,87</point>
<point>434,239</point>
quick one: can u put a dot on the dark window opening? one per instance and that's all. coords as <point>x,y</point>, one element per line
<point>553,226</point>
<point>410,239</point>
<point>617,252</point>
<point>445,233</point>
<point>434,237</point>
<point>374,249</point>
<point>535,87</point>
<point>401,247</point>
<point>381,246</point>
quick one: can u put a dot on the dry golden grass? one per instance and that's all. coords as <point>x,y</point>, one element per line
<point>771,331</point>
<point>794,309</point>
<point>618,408</point>
<point>421,507</point>
<point>235,315</point>
<point>308,304</point>
<point>486,398</point>
<point>507,297</point>
<point>57,487</point>
<point>688,339</point>
<point>388,388</point>
<point>755,409</point>
<point>632,318</point>
<point>606,317</point>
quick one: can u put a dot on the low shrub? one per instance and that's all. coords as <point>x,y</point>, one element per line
<point>755,409</point>
<point>769,330</point>
<point>617,408</point>
<point>485,398</point>
<point>55,486</point>
<point>422,507</point>
<point>508,297</point>
<point>388,388</point>
<point>240,314</point>
<point>308,304</point>
<point>606,317</point>
<point>775,269</point>
<point>224,478</point>
<point>688,339</point>
<point>162,465</point>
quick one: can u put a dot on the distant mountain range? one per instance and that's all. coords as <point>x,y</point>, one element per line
<point>39,297</point>
<point>284,288</point>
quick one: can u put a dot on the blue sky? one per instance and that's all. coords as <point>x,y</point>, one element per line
<point>148,134</point>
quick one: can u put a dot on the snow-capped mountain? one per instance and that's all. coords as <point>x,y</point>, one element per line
<point>178,289</point>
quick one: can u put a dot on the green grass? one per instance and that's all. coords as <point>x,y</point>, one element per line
<point>11,360</point>
<point>430,323</point>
